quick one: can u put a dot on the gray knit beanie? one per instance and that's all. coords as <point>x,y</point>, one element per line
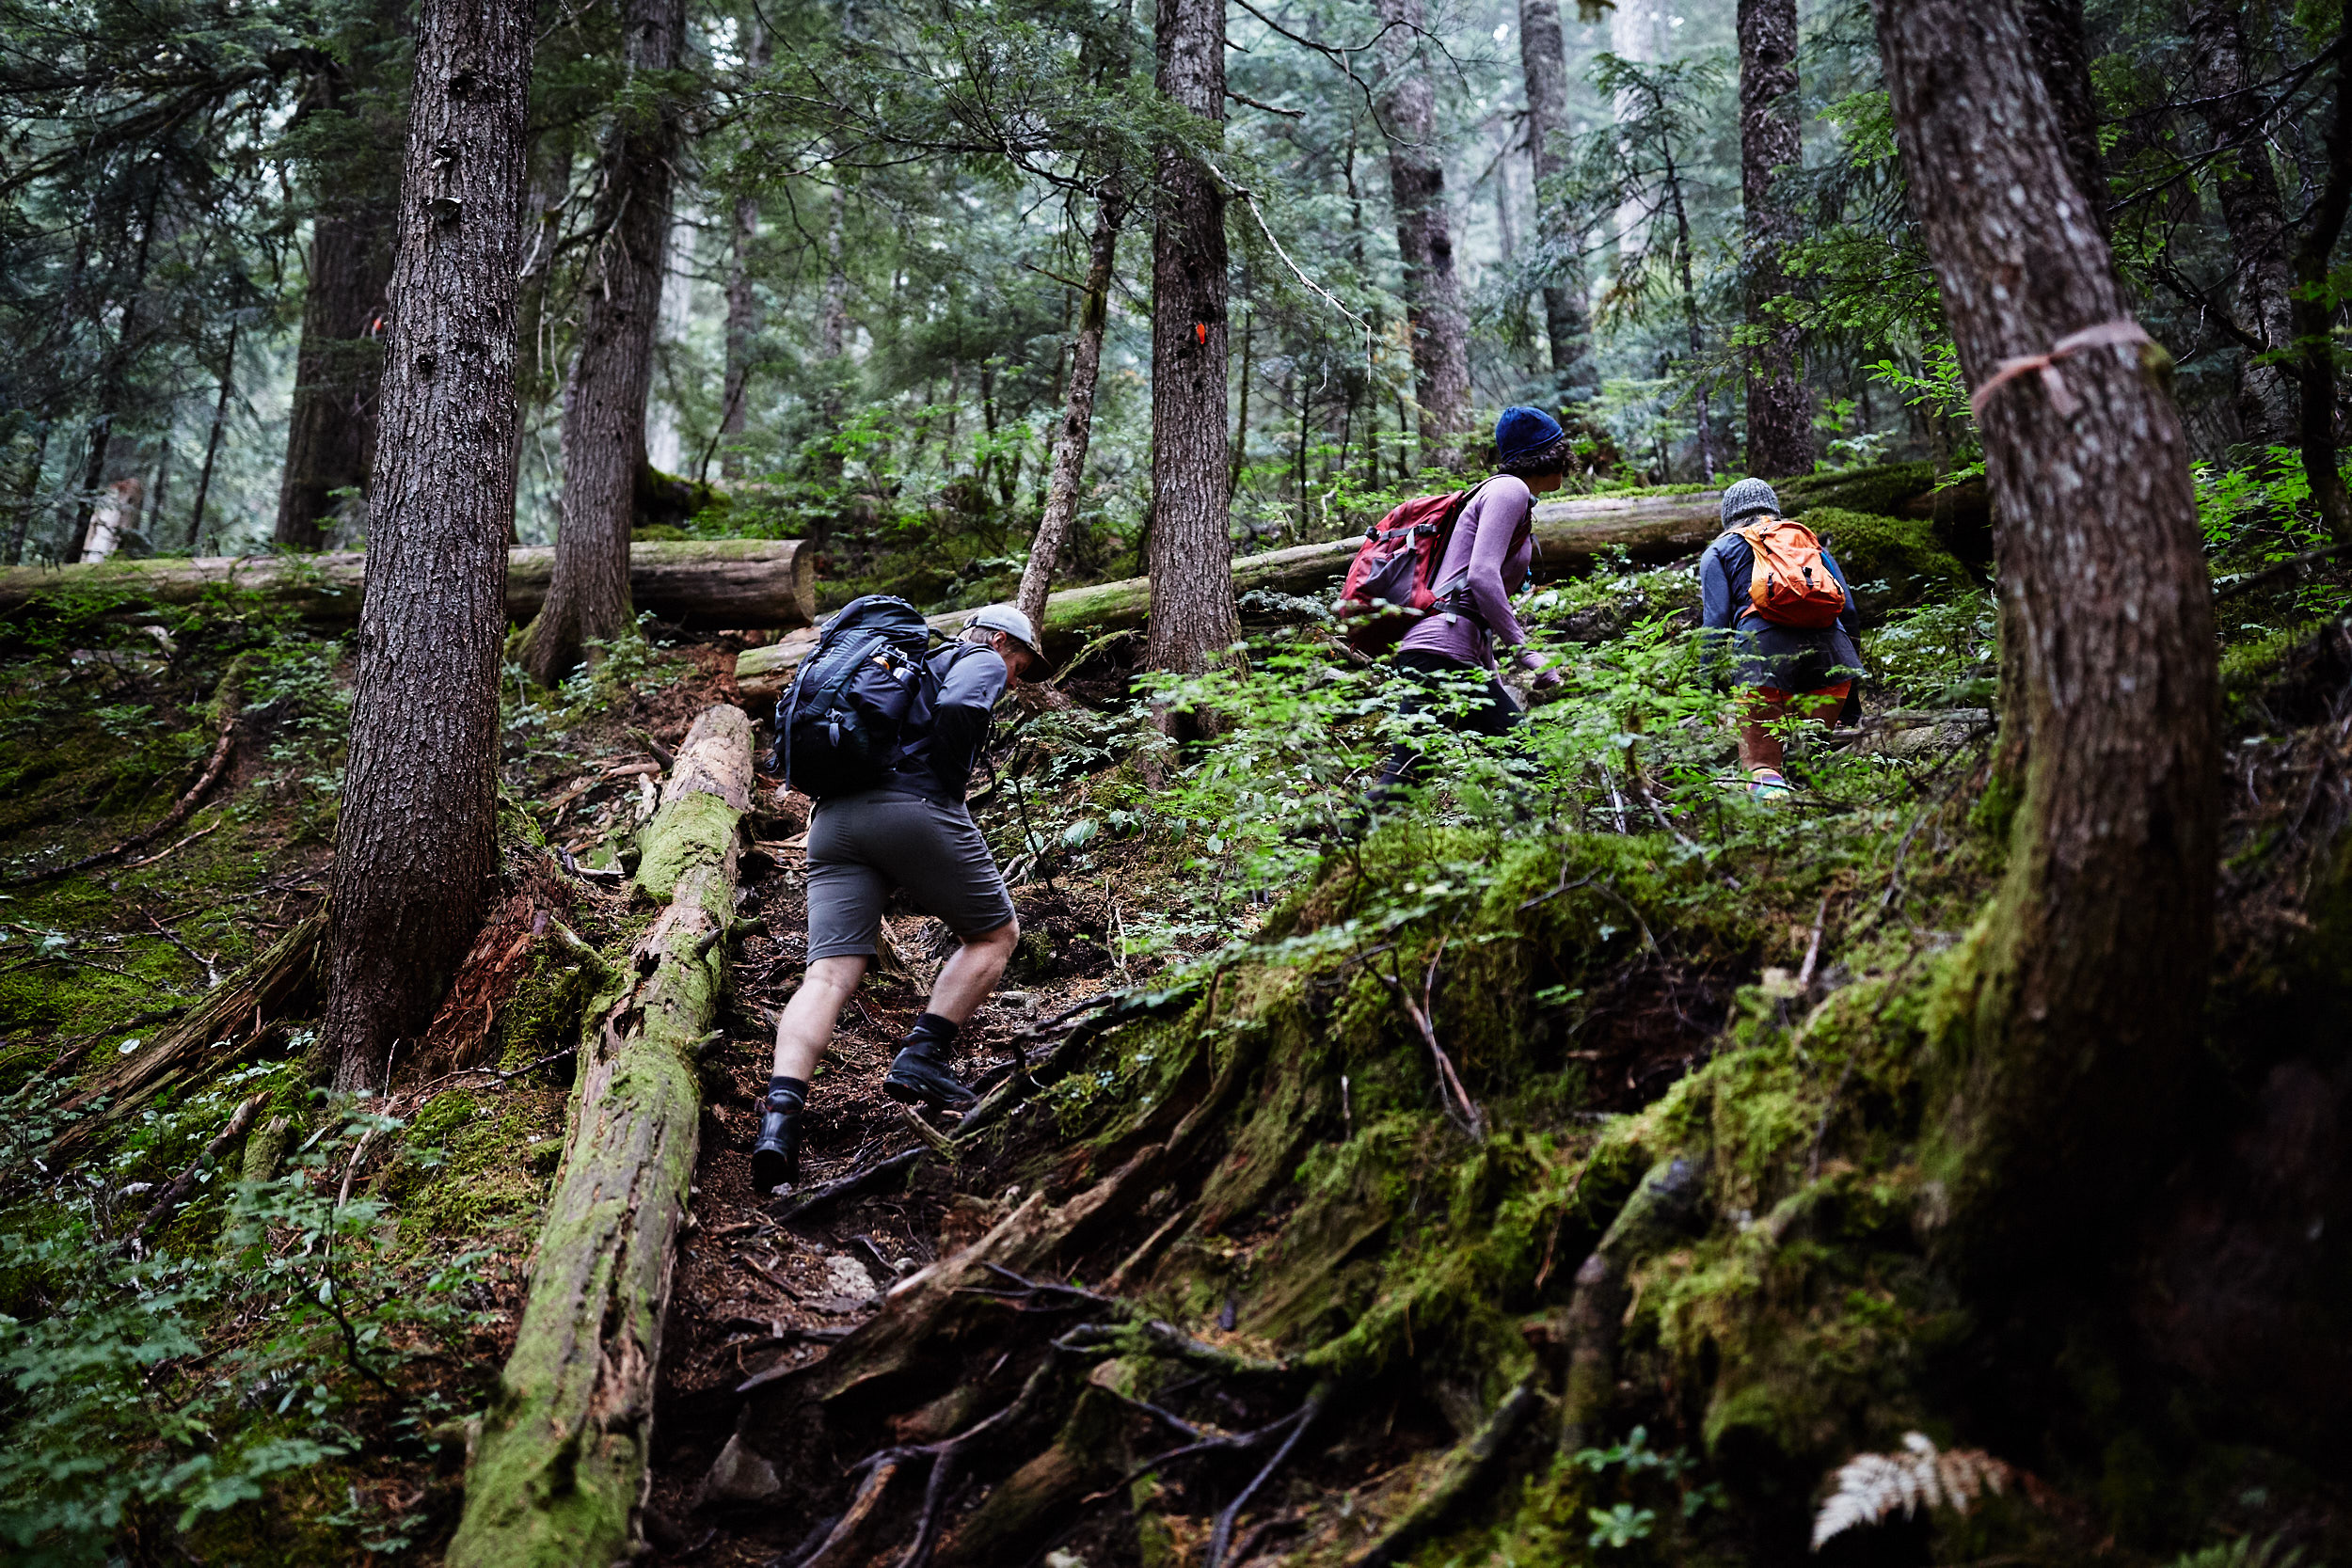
<point>1748,497</point>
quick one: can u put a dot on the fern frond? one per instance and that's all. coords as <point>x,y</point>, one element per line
<point>1870,1487</point>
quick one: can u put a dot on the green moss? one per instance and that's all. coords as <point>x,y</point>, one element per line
<point>1893,562</point>
<point>465,1167</point>
<point>1883,490</point>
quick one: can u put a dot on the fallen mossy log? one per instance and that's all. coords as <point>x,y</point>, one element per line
<point>700,583</point>
<point>559,1474</point>
<point>1570,536</point>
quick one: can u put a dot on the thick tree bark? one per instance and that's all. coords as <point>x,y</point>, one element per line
<point>2248,187</point>
<point>1077,415</point>
<point>1567,320</point>
<point>415,849</point>
<point>559,1473</point>
<point>2063,1023</point>
<point>1191,548</point>
<point>1424,235</point>
<point>2061,54</point>
<point>330,432</point>
<point>1780,411</point>
<point>2313,320</point>
<point>704,583</point>
<point>611,372</point>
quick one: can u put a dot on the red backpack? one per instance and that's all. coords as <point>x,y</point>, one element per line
<point>1392,582</point>
<point>1790,585</point>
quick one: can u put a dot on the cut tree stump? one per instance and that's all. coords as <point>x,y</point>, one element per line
<point>560,1473</point>
<point>1569,536</point>
<point>703,583</point>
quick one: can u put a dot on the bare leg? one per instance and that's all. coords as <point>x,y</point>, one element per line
<point>806,1028</point>
<point>1760,747</point>
<point>971,971</point>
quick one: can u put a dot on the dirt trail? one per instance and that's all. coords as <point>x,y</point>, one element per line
<point>756,1296</point>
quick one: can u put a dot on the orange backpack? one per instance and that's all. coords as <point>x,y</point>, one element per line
<point>1792,585</point>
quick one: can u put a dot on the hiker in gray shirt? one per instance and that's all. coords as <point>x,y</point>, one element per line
<point>912,832</point>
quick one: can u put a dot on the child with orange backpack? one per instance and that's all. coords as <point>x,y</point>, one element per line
<point>1776,607</point>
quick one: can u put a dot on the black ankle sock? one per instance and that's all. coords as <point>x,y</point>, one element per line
<point>931,1027</point>
<point>793,1091</point>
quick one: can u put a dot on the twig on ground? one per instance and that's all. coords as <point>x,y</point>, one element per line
<point>150,859</point>
<point>1462,1110</point>
<point>187,803</point>
<point>1812,948</point>
<point>941,1144</point>
<point>164,1207</point>
<point>211,976</point>
<point>1220,1537</point>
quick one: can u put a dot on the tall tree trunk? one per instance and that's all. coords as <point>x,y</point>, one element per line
<point>2065,1019</point>
<point>1567,320</point>
<point>2249,190</point>
<point>1077,415</point>
<point>550,159</point>
<point>1190,547</point>
<point>1424,235</point>
<point>1780,411</point>
<point>415,849</point>
<point>1691,312</point>
<point>28,491</point>
<point>211,437</point>
<point>611,371</point>
<point>2059,51</point>
<point>2313,320</point>
<point>742,324</point>
<point>330,430</point>
<point>114,385</point>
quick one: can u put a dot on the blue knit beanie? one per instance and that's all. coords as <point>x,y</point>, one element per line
<point>1747,499</point>
<point>1521,432</point>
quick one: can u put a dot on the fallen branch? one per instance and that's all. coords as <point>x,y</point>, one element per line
<point>1460,1474</point>
<point>1222,1536</point>
<point>222,746</point>
<point>1459,1108</point>
<point>160,1213</point>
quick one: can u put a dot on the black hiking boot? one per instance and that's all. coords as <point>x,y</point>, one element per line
<point>918,1077</point>
<point>777,1157</point>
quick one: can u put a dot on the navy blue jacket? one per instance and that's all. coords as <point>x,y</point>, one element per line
<point>943,739</point>
<point>1762,651</point>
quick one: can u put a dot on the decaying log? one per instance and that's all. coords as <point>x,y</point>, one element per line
<point>234,1016</point>
<point>560,1472</point>
<point>1569,536</point>
<point>694,582</point>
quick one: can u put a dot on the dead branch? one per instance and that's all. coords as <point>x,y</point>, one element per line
<point>187,803</point>
<point>1222,1535</point>
<point>161,1211</point>
<point>1459,1108</point>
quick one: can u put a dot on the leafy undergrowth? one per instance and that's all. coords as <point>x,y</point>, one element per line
<point>1675,1061</point>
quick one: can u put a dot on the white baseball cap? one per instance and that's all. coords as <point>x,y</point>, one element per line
<point>1005,618</point>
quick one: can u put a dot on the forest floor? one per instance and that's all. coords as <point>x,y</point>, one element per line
<point>1235,1208</point>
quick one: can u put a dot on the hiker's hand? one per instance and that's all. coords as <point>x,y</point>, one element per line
<point>1546,680</point>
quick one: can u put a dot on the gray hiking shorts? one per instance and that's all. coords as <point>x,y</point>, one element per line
<point>861,846</point>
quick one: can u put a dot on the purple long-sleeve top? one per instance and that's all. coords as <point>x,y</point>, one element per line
<point>1489,553</point>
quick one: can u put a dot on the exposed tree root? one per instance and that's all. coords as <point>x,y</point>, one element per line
<point>1459,1476</point>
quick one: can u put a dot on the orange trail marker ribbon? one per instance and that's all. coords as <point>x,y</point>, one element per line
<point>2106,334</point>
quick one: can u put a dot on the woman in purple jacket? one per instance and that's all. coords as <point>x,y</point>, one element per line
<point>1490,554</point>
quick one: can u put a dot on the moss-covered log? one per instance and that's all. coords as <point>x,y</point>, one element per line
<point>1569,536</point>
<point>694,582</point>
<point>560,1472</point>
